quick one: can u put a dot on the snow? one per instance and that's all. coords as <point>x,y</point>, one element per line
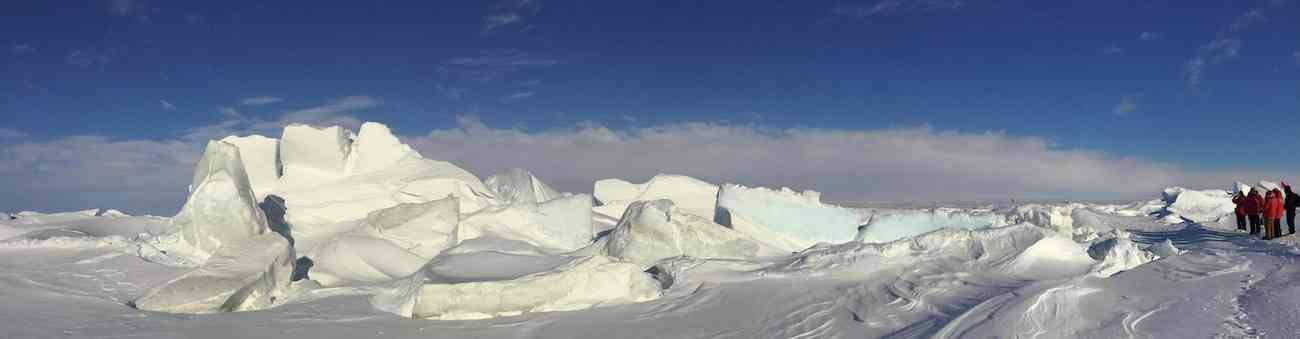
<point>798,216</point>
<point>376,148</point>
<point>691,195</point>
<point>584,283</point>
<point>890,227</point>
<point>519,186</point>
<point>654,230</point>
<point>250,274</point>
<point>562,224</point>
<point>309,154</point>
<point>380,234</point>
<point>221,208</point>
<point>260,156</point>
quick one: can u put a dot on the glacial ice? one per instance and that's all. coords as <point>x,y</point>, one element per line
<point>894,226</point>
<point>689,194</point>
<point>519,186</point>
<point>562,224</point>
<point>221,208</point>
<point>309,154</point>
<point>654,230</point>
<point>244,275</point>
<point>799,216</point>
<point>260,156</point>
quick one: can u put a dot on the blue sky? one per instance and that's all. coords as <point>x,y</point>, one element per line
<point>1176,83</point>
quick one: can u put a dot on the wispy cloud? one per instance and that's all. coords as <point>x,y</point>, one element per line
<point>21,49</point>
<point>510,13</point>
<point>233,122</point>
<point>1127,104</point>
<point>167,105</point>
<point>1148,36</point>
<point>492,65</point>
<point>10,133</point>
<point>518,97</point>
<point>259,101</point>
<point>1112,50</point>
<point>893,7</point>
<point>95,57</point>
<point>1224,47</point>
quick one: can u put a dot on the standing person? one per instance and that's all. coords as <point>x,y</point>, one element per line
<point>1239,200</point>
<point>1253,206</point>
<point>1273,206</point>
<point>1292,201</point>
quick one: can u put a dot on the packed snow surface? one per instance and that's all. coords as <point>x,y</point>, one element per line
<point>326,233</point>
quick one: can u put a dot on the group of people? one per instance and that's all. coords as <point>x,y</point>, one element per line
<point>1257,209</point>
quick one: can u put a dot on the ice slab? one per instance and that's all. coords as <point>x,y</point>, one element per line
<point>261,160</point>
<point>245,275</point>
<point>799,216</point>
<point>654,230</point>
<point>691,195</point>
<point>221,208</point>
<point>563,224</point>
<point>519,186</point>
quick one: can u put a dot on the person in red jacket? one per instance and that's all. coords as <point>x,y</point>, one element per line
<point>1253,206</point>
<point>1273,209</point>
<point>1240,200</point>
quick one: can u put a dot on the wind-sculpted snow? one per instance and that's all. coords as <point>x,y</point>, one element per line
<point>562,224</point>
<point>580,284</point>
<point>519,186</point>
<point>1200,206</point>
<point>654,230</point>
<point>222,208</point>
<point>391,244</point>
<point>376,148</point>
<point>309,154</point>
<point>245,275</point>
<point>798,216</point>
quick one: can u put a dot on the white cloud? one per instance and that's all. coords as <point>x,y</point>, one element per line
<point>1210,54</point>
<point>167,105</point>
<point>9,133</point>
<point>259,101</point>
<point>508,13</point>
<point>336,112</point>
<point>332,113</point>
<point>888,164</point>
<point>1148,36</point>
<point>1112,50</point>
<point>1128,104</point>
<point>898,164</point>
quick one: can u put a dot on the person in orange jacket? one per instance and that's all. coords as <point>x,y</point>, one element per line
<point>1254,205</point>
<point>1239,200</point>
<point>1273,208</point>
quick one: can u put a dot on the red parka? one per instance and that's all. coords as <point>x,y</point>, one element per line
<point>1274,205</point>
<point>1254,204</point>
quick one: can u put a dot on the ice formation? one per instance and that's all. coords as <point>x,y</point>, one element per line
<point>376,148</point>
<point>798,216</point>
<point>1199,206</point>
<point>562,224</point>
<point>392,243</point>
<point>583,283</point>
<point>260,156</point>
<point>309,154</point>
<point>249,274</point>
<point>691,195</point>
<point>519,186</point>
<point>1119,253</point>
<point>222,208</point>
<point>654,230</point>
<point>890,227</point>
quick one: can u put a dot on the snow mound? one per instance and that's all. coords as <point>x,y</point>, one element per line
<point>992,244</point>
<point>519,186</point>
<point>261,161</point>
<point>691,195</point>
<point>1199,206</point>
<point>654,230</point>
<point>562,224</point>
<point>798,216</point>
<point>580,284</point>
<point>376,148</point>
<point>1119,253</point>
<point>221,208</point>
<point>250,274</point>
<point>890,227</point>
<point>1053,258</point>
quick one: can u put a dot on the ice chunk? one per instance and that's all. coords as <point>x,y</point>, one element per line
<point>310,154</point>
<point>799,216</point>
<point>376,148</point>
<point>409,181</point>
<point>519,186</point>
<point>360,258</point>
<point>261,161</point>
<point>562,224</point>
<point>424,229</point>
<point>250,274</point>
<point>580,284</point>
<point>1118,253</point>
<point>221,208</point>
<point>1202,206</point>
<point>1059,218</point>
<point>692,196</point>
<point>890,227</point>
<point>654,230</point>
